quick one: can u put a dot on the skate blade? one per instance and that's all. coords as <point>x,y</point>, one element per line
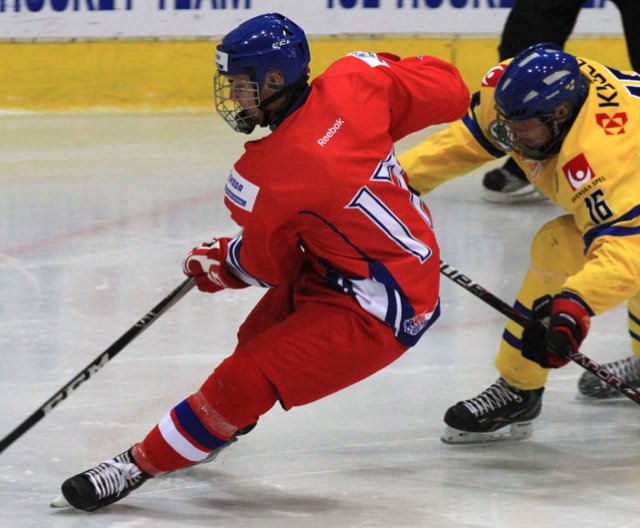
<point>509,433</point>
<point>59,502</point>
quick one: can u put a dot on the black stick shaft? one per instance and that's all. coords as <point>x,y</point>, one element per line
<point>507,310</point>
<point>99,362</point>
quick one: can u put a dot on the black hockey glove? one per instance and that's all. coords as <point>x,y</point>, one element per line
<point>559,325</point>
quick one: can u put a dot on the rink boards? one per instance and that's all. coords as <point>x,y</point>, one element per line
<point>177,74</point>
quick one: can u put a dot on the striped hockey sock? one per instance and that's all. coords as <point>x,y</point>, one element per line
<point>185,436</point>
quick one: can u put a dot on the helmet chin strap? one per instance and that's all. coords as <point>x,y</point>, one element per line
<point>244,122</point>
<point>271,115</point>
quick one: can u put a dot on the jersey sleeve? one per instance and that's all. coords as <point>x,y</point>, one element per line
<point>458,149</point>
<point>268,253</point>
<point>423,91</point>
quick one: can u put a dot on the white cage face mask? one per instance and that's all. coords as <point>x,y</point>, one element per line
<point>237,101</point>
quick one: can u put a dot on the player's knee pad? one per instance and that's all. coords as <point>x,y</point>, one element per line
<point>557,248</point>
<point>239,391</point>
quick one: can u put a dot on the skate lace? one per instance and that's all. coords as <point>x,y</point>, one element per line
<point>495,397</point>
<point>628,369</point>
<point>113,476</point>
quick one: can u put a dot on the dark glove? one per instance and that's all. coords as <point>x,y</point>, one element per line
<point>558,326</point>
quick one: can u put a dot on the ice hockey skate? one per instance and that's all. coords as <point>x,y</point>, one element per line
<point>499,413</point>
<point>104,484</point>
<point>590,387</point>
<point>508,184</point>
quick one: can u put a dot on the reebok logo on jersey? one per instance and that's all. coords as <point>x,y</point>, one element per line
<point>241,191</point>
<point>613,125</point>
<point>578,171</point>
<point>331,131</point>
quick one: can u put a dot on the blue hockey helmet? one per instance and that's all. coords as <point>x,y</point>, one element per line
<point>537,83</point>
<point>258,47</point>
<point>263,44</point>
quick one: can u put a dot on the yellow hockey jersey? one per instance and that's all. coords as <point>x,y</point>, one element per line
<point>595,176</point>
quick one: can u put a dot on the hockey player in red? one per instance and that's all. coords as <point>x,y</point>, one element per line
<point>330,226</point>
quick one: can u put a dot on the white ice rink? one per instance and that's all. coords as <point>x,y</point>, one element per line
<point>96,213</point>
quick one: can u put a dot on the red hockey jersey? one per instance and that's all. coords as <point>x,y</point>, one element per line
<point>325,189</point>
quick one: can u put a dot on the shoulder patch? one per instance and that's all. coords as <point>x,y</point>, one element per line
<point>370,58</point>
<point>493,75</point>
<point>241,191</point>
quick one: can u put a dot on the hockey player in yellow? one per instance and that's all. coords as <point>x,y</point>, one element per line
<point>573,126</point>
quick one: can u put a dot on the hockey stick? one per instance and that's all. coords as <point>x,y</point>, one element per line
<point>99,362</point>
<point>576,356</point>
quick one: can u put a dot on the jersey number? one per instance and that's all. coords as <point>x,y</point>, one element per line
<point>382,215</point>
<point>633,81</point>
<point>599,211</point>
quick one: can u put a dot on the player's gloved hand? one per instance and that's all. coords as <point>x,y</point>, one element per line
<point>207,265</point>
<point>559,324</point>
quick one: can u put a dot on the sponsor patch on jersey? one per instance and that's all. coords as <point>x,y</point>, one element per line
<point>241,191</point>
<point>493,75</point>
<point>578,171</point>
<point>613,125</point>
<point>370,58</point>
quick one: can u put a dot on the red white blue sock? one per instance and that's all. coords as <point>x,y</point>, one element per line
<point>185,436</point>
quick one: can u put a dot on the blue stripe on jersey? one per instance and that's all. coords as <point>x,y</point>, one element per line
<point>234,259</point>
<point>379,273</point>
<point>519,307</point>
<point>434,317</point>
<point>192,425</point>
<point>634,318</point>
<point>401,315</point>
<point>633,89</point>
<point>337,232</point>
<point>611,229</point>
<point>390,305</point>
<point>631,76</point>
<point>392,308</point>
<point>579,300</point>
<point>508,336</point>
<point>471,123</point>
<point>512,340</point>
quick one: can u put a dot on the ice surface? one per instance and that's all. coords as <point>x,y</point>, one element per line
<point>96,213</point>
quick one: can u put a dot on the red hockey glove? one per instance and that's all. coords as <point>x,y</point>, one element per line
<point>559,325</point>
<point>207,265</point>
